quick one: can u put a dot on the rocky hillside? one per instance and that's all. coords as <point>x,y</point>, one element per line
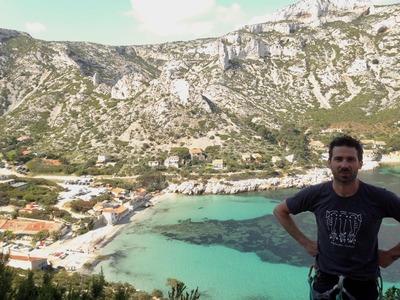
<point>315,64</point>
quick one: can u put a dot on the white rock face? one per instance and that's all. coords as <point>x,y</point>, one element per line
<point>96,79</point>
<point>128,86</point>
<point>223,59</point>
<point>216,186</point>
<point>180,88</point>
<point>62,60</point>
<point>234,46</point>
<point>209,49</point>
<point>310,11</point>
<point>273,71</point>
<point>358,66</point>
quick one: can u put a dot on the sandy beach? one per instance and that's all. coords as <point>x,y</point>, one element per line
<point>78,253</point>
<point>73,253</point>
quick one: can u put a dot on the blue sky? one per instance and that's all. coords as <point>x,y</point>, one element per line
<point>134,22</point>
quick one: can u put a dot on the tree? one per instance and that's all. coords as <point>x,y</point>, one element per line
<point>182,152</point>
<point>8,235</point>
<point>6,278</point>
<point>72,294</point>
<point>48,290</point>
<point>157,293</point>
<point>152,182</point>
<point>121,293</point>
<point>40,236</point>
<point>27,289</point>
<point>178,291</point>
<point>392,293</point>
<point>97,288</point>
<point>55,235</point>
<point>12,155</point>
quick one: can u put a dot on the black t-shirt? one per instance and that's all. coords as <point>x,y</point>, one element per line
<point>347,226</point>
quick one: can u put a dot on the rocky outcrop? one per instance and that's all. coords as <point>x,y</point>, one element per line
<point>322,11</point>
<point>83,99</point>
<point>223,186</point>
<point>312,13</point>
<point>6,34</point>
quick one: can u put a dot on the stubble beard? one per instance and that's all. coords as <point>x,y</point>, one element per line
<point>345,180</point>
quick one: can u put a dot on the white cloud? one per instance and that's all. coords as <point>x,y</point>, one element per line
<point>195,18</point>
<point>230,15</point>
<point>34,27</point>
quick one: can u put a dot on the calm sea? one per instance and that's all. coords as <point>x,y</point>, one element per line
<point>228,246</point>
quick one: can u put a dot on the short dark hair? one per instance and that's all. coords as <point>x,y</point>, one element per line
<point>348,141</point>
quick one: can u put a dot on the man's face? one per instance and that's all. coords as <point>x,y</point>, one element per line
<point>344,164</point>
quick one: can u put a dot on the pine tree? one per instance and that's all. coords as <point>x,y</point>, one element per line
<point>49,291</point>
<point>6,278</point>
<point>27,288</point>
<point>97,287</point>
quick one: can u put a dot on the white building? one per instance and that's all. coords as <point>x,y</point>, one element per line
<point>218,164</point>
<point>102,159</point>
<point>153,163</point>
<point>114,215</point>
<point>172,161</point>
<point>27,262</point>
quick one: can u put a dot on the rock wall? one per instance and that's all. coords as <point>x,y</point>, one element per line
<point>223,186</point>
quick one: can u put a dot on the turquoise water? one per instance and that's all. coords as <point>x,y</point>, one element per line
<point>145,258</point>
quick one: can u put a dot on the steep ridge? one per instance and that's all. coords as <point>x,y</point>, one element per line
<point>316,64</point>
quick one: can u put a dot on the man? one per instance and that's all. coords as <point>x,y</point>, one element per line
<point>348,213</point>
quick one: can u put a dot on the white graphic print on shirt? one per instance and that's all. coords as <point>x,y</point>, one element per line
<point>343,227</point>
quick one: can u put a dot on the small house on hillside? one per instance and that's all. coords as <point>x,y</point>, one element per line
<point>172,161</point>
<point>246,157</point>
<point>332,130</point>
<point>102,159</point>
<point>153,163</point>
<point>197,153</point>
<point>218,164</point>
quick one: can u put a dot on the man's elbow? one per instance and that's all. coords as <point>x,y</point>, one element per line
<point>276,210</point>
<point>281,209</point>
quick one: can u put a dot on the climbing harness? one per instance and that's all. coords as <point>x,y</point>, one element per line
<point>338,288</point>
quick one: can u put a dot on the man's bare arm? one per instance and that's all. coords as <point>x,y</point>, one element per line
<point>386,258</point>
<point>283,215</point>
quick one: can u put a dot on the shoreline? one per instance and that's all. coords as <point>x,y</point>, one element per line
<point>88,248</point>
<point>137,214</point>
<point>84,252</point>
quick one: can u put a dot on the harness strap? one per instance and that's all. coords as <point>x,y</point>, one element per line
<point>379,284</point>
<point>314,295</point>
<point>338,287</point>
